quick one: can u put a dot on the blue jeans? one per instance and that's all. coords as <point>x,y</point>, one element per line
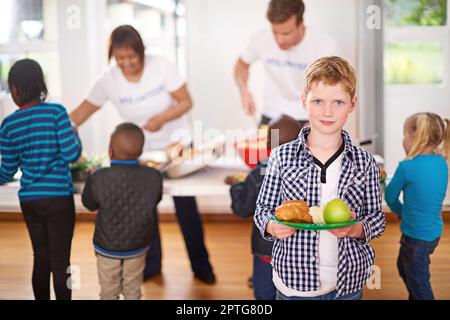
<point>192,230</point>
<point>413,264</point>
<point>263,287</point>
<point>329,296</point>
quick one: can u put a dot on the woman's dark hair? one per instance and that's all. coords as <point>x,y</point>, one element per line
<point>27,78</point>
<point>126,37</point>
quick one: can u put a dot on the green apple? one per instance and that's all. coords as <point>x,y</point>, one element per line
<point>336,211</point>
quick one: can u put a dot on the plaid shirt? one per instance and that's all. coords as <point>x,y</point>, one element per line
<point>292,175</point>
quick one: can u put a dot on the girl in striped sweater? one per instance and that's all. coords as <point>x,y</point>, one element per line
<point>39,139</point>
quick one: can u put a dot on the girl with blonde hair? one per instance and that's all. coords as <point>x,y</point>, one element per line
<point>423,178</point>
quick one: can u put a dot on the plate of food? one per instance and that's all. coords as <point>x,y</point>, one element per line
<point>297,214</point>
<point>155,159</point>
<point>238,177</point>
<point>188,160</point>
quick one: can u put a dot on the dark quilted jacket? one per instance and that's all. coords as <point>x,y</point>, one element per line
<point>125,197</point>
<point>243,204</point>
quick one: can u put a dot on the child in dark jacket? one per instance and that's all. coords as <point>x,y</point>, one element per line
<point>125,195</point>
<point>244,205</point>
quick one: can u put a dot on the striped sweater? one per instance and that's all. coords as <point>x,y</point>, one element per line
<point>41,142</point>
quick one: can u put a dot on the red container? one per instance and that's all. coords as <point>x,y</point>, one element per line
<point>252,151</point>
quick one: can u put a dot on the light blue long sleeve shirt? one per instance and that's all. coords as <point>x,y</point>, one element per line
<point>423,181</point>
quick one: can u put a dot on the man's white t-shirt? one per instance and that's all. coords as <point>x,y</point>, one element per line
<point>285,68</point>
<point>328,243</point>
<point>138,102</point>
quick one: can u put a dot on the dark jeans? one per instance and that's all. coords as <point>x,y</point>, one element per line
<point>266,120</point>
<point>263,287</point>
<point>50,223</point>
<point>413,264</point>
<point>192,230</point>
<point>329,296</point>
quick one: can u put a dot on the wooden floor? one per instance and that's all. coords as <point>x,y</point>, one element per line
<point>229,247</point>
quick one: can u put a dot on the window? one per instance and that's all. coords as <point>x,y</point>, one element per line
<point>28,29</point>
<point>416,45</point>
<point>49,61</point>
<point>400,13</point>
<point>161,24</point>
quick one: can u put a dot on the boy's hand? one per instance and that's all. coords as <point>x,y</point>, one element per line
<point>279,231</point>
<point>355,231</point>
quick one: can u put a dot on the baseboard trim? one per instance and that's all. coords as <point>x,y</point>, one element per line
<point>171,217</point>
<point>164,217</point>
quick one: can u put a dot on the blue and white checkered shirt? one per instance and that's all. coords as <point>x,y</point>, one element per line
<point>292,175</point>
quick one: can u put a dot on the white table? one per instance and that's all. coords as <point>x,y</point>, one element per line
<point>207,186</point>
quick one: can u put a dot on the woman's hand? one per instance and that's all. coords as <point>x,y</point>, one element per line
<point>183,104</point>
<point>155,123</point>
<point>279,231</point>
<point>355,231</point>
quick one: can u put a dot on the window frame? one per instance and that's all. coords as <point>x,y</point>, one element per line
<point>34,46</point>
<point>439,34</point>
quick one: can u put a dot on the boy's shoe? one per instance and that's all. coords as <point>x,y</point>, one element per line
<point>206,277</point>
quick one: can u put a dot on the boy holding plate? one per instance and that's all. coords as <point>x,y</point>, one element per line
<point>323,164</point>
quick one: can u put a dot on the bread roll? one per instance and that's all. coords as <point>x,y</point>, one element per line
<point>294,211</point>
<point>317,215</point>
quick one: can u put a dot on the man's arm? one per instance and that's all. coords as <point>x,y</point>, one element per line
<point>241,74</point>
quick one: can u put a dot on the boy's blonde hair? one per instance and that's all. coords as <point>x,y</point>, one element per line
<point>428,130</point>
<point>331,70</point>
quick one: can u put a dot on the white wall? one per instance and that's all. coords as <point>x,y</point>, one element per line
<point>340,20</point>
<point>400,103</point>
<point>371,85</point>
<point>83,54</point>
<point>218,32</point>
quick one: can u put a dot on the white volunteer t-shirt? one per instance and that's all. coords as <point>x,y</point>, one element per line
<point>285,68</point>
<point>328,243</point>
<point>138,102</point>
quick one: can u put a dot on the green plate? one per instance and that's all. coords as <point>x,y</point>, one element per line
<point>312,226</point>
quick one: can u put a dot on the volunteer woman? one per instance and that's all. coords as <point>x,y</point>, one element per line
<point>148,91</point>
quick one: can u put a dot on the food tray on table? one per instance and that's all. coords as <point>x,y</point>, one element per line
<point>179,161</point>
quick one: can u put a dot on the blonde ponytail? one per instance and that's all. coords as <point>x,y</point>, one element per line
<point>428,130</point>
<point>421,131</point>
<point>446,144</point>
